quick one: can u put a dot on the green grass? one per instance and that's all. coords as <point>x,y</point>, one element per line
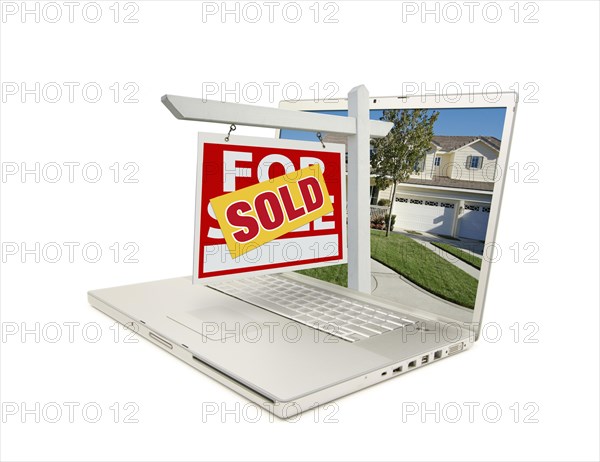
<point>336,274</point>
<point>424,268</point>
<point>468,258</point>
<point>416,263</point>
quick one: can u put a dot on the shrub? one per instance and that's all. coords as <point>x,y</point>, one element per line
<point>383,202</point>
<point>380,222</point>
<point>377,222</point>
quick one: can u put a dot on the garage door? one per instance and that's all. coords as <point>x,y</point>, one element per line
<point>474,221</point>
<point>424,214</point>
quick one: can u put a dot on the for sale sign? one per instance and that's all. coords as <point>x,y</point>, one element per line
<point>266,206</point>
<point>257,214</point>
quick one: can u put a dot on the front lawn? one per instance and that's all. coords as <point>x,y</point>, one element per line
<point>423,267</point>
<point>336,274</point>
<point>467,257</point>
<point>416,263</point>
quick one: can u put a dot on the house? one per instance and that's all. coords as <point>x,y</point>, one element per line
<point>450,190</point>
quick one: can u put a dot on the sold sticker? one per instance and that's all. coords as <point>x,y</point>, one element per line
<point>257,214</point>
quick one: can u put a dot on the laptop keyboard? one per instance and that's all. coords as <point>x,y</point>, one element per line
<point>342,316</point>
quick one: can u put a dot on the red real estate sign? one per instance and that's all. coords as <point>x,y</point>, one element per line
<point>245,162</point>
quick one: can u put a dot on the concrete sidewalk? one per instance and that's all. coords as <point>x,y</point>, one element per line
<point>391,286</point>
<point>471,270</point>
<point>468,245</point>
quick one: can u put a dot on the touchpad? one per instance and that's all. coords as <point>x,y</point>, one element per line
<point>220,322</point>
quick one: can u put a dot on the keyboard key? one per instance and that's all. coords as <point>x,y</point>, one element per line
<point>327,327</point>
<point>313,314</point>
<point>326,318</point>
<point>380,317</point>
<point>364,317</point>
<point>373,327</point>
<point>359,330</point>
<point>393,315</point>
<point>342,331</point>
<point>303,318</point>
<point>332,313</point>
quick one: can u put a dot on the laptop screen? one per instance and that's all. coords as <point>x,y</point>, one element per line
<point>436,174</point>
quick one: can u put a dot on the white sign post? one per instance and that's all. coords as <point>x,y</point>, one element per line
<point>357,125</point>
<point>359,211</point>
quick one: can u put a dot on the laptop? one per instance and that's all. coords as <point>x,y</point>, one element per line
<point>290,341</point>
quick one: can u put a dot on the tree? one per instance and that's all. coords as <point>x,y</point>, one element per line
<point>397,155</point>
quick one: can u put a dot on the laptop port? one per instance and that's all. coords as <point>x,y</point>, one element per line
<point>384,373</point>
<point>437,354</point>
<point>398,369</point>
<point>160,340</point>
<point>412,364</point>
<point>425,359</point>
<point>455,348</point>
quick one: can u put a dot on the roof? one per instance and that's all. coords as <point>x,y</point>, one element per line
<point>452,143</point>
<point>445,143</point>
<point>445,182</point>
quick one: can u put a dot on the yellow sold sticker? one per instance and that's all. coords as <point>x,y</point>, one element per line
<point>257,214</point>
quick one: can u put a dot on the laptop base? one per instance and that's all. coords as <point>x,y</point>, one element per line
<point>283,377</point>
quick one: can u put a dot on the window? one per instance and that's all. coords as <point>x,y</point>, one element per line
<point>474,162</point>
<point>419,165</point>
<point>374,194</point>
<point>436,161</point>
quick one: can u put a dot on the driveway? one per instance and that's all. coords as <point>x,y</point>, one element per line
<point>468,245</point>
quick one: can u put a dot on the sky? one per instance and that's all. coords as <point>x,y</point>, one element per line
<point>464,121</point>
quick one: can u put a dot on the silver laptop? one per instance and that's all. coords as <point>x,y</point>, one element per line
<point>292,341</point>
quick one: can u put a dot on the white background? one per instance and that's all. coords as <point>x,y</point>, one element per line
<point>171,50</point>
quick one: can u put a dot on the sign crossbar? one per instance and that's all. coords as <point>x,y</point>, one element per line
<point>202,110</point>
